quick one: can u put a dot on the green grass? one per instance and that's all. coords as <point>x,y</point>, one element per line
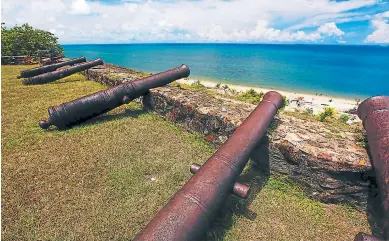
<point>250,96</point>
<point>196,86</point>
<point>328,114</point>
<point>107,178</point>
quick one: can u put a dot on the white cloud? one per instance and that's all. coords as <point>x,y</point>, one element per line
<point>330,29</point>
<point>80,7</point>
<point>263,33</point>
<point>381,29</point>
<point>381,32</point>
<point>382,15</point>
<point>184,21</point>
<point>341,17</point>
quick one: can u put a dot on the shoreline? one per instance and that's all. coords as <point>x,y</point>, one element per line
<point>297,100</point>
<point>211,81</point>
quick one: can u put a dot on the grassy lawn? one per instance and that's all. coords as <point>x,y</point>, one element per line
<point>107,178</point>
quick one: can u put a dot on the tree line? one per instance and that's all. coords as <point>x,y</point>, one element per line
<point>25,40</point>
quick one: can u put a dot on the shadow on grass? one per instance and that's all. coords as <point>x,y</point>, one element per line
<point>128,113</point>
<point>57,82</point>
<point>374,210</point>
<point>256,176</point>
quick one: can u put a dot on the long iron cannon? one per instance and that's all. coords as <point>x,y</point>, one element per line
<point>59,74</point>
<point>189,213</point>
<point>51,60</point>
<point>79,110</point>
<point>45,61</point>
<point>374,113</point>
<point>49,68</point>
<point>56,58</point>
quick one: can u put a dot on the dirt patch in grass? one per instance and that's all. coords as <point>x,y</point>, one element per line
<point>107,178</point>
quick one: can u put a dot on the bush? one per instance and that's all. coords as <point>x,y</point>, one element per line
<point>175,84</point>
<point>285,102</point>
<point>327,114</point>
<point>344,118</point>
<point>226,87</point>
<point>197,85</point>
<point>308,112</point>
<point>25,40</point>
<point>251,96</point>
<point>218,85</point>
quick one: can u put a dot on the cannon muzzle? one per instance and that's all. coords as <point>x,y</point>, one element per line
<point>49,68</point>
<point>189,213</point>
<point>374,113</point>
<point>79,110</point>
<point>59,74</point>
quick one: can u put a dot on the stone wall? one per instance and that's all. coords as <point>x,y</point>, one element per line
<point>16,60</point>
<point>329,169</point>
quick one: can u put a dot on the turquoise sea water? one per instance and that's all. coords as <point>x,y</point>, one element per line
<point>336,70</point>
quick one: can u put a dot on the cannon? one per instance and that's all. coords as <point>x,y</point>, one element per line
<point>189,213</point>
<point>51,60</point>
<point>374,113</point>
<point>49,68</point>
<point>44,60</point>
<point>59,74</point>
<point>79,110</point>
<point>56,58</point>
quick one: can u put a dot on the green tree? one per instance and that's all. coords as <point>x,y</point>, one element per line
<point>25,40</point>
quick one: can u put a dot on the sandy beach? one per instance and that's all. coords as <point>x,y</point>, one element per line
<point>297,100</point>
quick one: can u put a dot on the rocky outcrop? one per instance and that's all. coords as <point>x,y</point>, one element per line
<point>330,168</point>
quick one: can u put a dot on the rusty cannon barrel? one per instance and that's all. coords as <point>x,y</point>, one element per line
<point>374,112</point>
<point>79,110</point>
<point>49,68</point>
<point>59,74</point>
<point>189,213</point>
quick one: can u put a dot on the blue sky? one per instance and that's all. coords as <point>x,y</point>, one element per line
<point>241,21</point>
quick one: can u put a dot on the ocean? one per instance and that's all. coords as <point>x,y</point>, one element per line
<point>334,70</point>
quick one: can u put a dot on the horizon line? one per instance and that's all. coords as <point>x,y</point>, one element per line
<point>232,43</point>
